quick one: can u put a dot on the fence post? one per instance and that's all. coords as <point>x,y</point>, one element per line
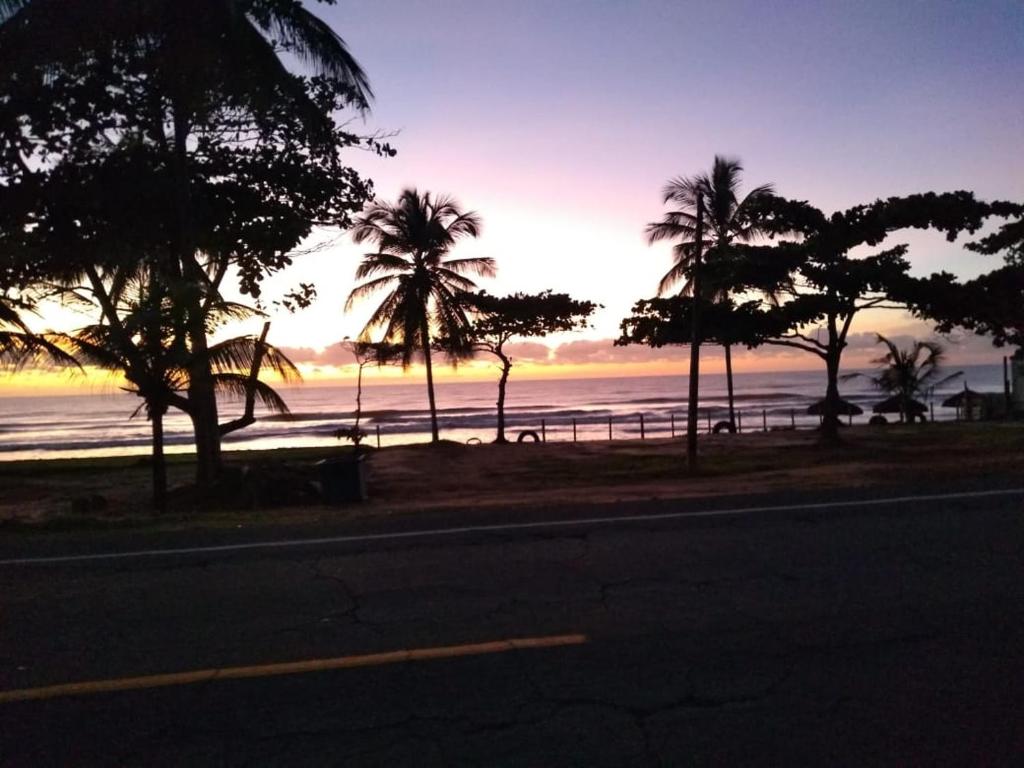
<point>672,422</point>
<point>739,422</point>
<point>574,430</point>
<point>764,419</point>
<point>643,435</point>
<point>543,431</point>
<point>709,421</point>
<point>792,418</point>
<point>378,435</point>
<point>609,427</point>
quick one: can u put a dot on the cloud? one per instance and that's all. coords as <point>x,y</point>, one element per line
<point>586,351</point>
<point>333,355</point>
<point>528,352</point>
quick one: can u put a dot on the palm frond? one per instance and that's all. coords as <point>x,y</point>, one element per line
<point>676,273</point>
<point>314,43</point>
<point>368,288</point>
<point>485,266</point>
<point>238,386</point>
<point>375,263</point>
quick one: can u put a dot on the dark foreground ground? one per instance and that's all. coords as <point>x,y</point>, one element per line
<point>840,635</point>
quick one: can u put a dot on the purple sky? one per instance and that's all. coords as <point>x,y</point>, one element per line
<point>560,122</point>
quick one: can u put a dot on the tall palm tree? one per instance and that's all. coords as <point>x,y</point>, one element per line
<point>414,237</point>
<point>727,218</point>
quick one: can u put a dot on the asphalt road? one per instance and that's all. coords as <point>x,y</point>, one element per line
<point>886,633</point>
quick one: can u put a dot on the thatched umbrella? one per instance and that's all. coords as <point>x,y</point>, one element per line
<point>844,408</point>
<point>913,409</point>
<point>966,402</point>
<point>968,397</point>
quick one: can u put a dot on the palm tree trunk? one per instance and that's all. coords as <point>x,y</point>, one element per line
<point>506,367</point>
<point>694,394</point>
<point>356,436</point>
<point>728,384</point>
<point>434,434</point>
<point>159,461</point>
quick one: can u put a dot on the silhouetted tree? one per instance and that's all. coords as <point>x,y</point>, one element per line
<point>499,319</point>
<point>144,337</point>
<point>728,218</point>
<point>365,353</point>
<point>991,304</point>
<point>819,285</point>
<point>414,237</point>
<point>172,131</point>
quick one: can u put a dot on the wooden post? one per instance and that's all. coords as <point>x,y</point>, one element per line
<point>1006,387</point>
<point>672,423</point>
<point>609,427</point>
<point>792,418</point>
<point>643,435</point>
<point>709,422</point>
<point>574,430</point>
<point>378,435</point>
<point>764,419</point>
<point>739,422</point>
<point>543,431</point>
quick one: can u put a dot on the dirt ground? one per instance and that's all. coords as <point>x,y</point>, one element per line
<point>409,479</point>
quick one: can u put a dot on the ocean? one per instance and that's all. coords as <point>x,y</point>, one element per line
<point>102,424</point>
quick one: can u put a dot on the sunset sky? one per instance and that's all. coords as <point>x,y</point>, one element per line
<point>560,122</point>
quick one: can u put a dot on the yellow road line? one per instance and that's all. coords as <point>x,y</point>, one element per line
<point>288,668</point>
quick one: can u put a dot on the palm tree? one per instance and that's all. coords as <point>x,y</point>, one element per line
<point>727,219</point>
<point>148,344</point>
<point>414,237</point>
<point>907,374</point>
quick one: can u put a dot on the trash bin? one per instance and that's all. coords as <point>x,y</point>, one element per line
<point>343,480</point>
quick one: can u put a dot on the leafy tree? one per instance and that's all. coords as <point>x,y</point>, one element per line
<point>830,284</point>
<point>666,321</point>
<point>499,319</point>
<point>424,284</point>
<point>727,218</point>
<point>991,304</point>
<point>171,131</point>
<point>908,374</point>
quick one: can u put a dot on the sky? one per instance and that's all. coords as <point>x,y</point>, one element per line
<point>559,123</point>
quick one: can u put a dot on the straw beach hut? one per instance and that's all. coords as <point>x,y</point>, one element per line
<point>968,403</point>
<point>844,408</point>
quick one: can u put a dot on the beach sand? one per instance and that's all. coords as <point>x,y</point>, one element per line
<point>418,479</point>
